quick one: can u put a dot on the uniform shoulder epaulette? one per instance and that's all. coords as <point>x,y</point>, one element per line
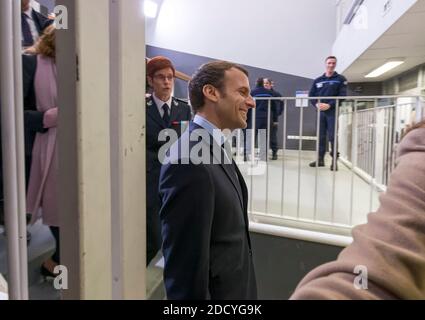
<point>181,100</point>
<point>149,100</point>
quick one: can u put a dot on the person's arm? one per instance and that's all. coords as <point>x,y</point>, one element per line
<point>43,21</point>
<point>391,245</point>
<point>186,215</point>
<point>342,92</point>
<point>33,121</point>
<point>343,87</point>
<point>313,93</point>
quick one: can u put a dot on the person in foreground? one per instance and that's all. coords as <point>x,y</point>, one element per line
<point>388,251</point>
<point>206,242</point>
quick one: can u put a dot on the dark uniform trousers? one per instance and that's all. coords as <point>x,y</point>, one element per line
<point>327,129</point>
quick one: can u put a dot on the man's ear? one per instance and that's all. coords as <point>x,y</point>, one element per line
<point>210,92</point>
<point>150,81</point>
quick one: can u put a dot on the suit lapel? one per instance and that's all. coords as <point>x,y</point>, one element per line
<point>240,186</point>
<point>153,113</point>
<point>37,23</point>
<point>228,169</point>
<point>244,194</point>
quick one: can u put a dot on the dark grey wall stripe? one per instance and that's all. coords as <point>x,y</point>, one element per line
<point>286,84</point>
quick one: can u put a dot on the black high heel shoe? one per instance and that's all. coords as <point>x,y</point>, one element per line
<point>47,275</point>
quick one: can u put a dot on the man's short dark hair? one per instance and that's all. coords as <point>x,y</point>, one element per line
<point>212,73</point>
<point>260,82</point>
<point>331,57</point>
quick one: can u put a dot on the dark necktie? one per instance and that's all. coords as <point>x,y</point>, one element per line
<point>26,31</point>
<point>166,116</point>
<point>236,171</point>
<point>227,154</point>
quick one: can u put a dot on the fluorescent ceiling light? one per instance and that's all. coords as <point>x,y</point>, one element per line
<point>150,9</point>
<point>384,68</point>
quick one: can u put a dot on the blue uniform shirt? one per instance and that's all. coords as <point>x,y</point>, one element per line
<point>334,86</point>
<point>262,106</point>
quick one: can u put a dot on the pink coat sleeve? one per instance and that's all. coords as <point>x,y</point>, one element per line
<point>391,245</point>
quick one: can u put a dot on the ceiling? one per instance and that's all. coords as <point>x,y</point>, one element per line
<point>405,38</point>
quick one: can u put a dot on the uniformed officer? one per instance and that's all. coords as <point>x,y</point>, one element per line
<point>262,114</point>
<point>162,112</point>
<point>330,84</point>
<point>269,84</point>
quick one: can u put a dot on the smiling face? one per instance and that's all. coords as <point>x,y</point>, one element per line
<point>267,84</point>
<point>162,83</point>
<point>330,66</point>
<point>234,100</point>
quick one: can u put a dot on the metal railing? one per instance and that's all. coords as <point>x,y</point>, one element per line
<point>289,192</point>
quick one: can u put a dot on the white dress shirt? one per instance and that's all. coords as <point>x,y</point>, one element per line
<point>217,134</point>
<point>31,23</point>
<point>159,103</point>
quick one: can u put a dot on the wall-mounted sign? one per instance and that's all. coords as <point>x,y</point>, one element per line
<point>301,103</point>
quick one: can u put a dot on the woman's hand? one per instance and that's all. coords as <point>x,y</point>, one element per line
<point>50,119</point>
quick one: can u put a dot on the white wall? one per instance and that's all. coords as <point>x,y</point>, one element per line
<point>366,28</point>
<point>289,36</point>
<point>49,4</point>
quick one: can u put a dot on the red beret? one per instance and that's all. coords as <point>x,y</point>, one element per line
<point>158,63</point>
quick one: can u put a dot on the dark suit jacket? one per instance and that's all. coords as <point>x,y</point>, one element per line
<point>41,22</point>
<point>33,119</point>
<point>180,114</point>
<point>206,243</point>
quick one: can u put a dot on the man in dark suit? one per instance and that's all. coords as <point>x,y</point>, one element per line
<point>162,112</point>
<point>33,24</point>
<point>206,242</point>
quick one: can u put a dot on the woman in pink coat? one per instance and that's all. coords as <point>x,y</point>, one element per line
<point>42,189</point>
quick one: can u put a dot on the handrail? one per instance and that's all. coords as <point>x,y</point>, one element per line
<point>300,234</point>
